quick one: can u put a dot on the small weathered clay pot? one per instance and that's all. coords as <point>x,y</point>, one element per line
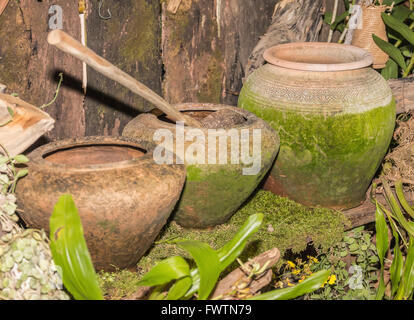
<point>335,116</point>
<point>123,197</point>
<point>213,191</point>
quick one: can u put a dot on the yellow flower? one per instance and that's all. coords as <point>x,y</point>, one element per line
<point>296,271</point>
<point>291,264</point>
<point>332,279</point>
<point>313,259</point>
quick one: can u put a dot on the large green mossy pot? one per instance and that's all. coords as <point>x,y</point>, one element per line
<point>212,192</point>
<point>335,116</point>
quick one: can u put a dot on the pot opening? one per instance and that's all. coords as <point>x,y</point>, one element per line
<point>196,114</point>
<point>94,154</point>
<point>318,56</point>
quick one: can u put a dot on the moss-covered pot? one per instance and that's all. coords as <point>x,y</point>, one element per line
<point>124,198</point>
<point>335,116</point>
<point>213,191</point>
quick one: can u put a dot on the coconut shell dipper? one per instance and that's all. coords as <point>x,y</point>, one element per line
<point>66,43</point>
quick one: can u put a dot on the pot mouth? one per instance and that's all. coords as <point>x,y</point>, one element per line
<point>318,56</point>
<point>92,153</point>
<point>199,111</point>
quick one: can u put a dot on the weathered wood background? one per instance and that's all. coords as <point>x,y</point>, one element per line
<point>185,50</point>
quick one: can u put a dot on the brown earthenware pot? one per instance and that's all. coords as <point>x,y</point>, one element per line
<point>213,190</point>
<point>124,198</point>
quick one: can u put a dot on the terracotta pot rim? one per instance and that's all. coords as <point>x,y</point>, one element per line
<point>199,106</point>
<point>37,156</point>
<point>353,58</point>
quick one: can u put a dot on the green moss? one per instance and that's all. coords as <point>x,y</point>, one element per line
<point>210,89</point>
<point>293,226</point>
<point>141,35</point>
<point>327,159</point>
<point>213,193</point>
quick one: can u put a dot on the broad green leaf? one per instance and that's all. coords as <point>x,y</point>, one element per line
<point>401,198</point>
<point>208,265</point>
<point>398,26</point>
<point>20,158</point>
<point>392,51</point>
<point>311,284</point>
<point>179,288</point>
<point>390,2</point>
<point>21,173</point>
<point>408,275</point>
<point>407,51</point>
<point>401,13</point>
<point>165,271</point>
<point>339,19</point>
<point>407,225</point>
<point>70,252</point>
<point>346,4</point>
<point>232,249</point>
<point>397,265</point>
<point>390,71</point>
<point>381,234</point>
<point>327,17</point>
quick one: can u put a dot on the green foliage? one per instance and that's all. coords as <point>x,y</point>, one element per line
<point>210,263</point>
<point>70,252</point>
<point>354,262</point>
<point>9,173</point>
<point>400,24</point>
<point>312,283</point>
<point>402,268</point>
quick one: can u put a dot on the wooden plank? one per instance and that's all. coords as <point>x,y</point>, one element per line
<point>365,213</point>
<point>403,91</point>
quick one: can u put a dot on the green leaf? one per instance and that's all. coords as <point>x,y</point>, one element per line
<point>165,271</point>
<point>208,265</point>
<point>401,198</point>
<point>398,26</point>
<point>390,71</point>
<point>392,51</point>
<point>407,225</point>
<point>311,284</point>
<point>339,20</point>
<point>390,2</point>
<point>21,173</point>
<point>381,234</point>
<point>346,4</point>
<point>407,280</point>
<point>232,249</point>
<point>401,13</point>
<point>10,110</point>
<point>70,252</point>
<point>20,158</point>
<point>179,288</point>
<point>396,268</point>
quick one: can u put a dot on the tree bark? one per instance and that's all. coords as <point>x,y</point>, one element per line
<point>205,46</point>
<point>30,66</point>
<point>131,41</point>
<point>292,21</point>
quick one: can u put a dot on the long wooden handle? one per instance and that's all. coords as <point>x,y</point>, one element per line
<point>66,43</point>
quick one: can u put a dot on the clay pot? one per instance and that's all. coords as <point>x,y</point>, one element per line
<point>335,116</point>
<point>372,23</point>
<point>124,198</point>
<point>213,192</point>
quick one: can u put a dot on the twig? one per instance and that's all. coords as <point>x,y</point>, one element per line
<point>335,10</point>
<point>56,94</point>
